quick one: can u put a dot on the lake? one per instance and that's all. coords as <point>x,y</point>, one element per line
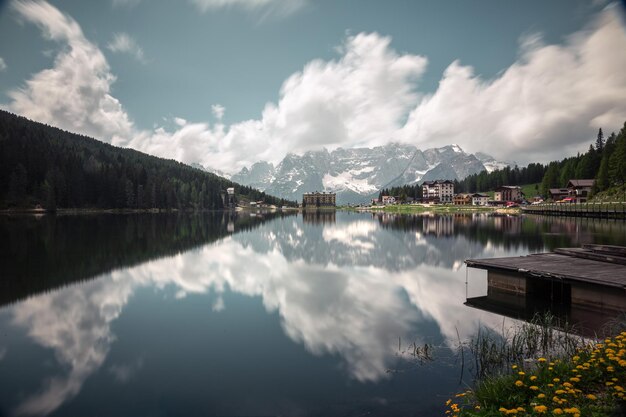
<point>230,314</point>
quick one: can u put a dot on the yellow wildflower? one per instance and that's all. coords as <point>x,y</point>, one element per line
<point>540,409</point>
<point>557,411</point>
<point>534,387</point>
<point>591,397</point>
<point>519,383</point>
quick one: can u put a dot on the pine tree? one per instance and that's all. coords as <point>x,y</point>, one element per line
<point>550,179</point>
<point>602,179</point>
<point>617,161</point>
<point>600,141</point>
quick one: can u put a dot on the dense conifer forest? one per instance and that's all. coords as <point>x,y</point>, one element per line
<point>45,166</point>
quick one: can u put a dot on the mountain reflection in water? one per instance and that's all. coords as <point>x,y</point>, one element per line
<point>345,286</point>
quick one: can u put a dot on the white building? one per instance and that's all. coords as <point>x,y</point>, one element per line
<point>388,199</point>
<point>438,191</point>
<point>479,199</point>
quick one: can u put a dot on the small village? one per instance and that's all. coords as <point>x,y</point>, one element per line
<point>442,192</point>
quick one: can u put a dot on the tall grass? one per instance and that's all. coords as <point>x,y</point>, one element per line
<point>544,335</point>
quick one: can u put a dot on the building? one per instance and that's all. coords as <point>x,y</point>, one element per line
<point>557,194</point>
<point>463,199</point>
<point>441,191</point>
<point>388,199</point>
<point>579,189</point>
<point>318,199</point>
<point>228,198</point>
<point>479,199</point>
<point>508,193</point>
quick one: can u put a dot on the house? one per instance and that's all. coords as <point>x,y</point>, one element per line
<point>375,201</point>
<point>440,191</point>
<point>579,189</point>
<point>508,193</point>
<point>479,199</point>
<point>463,199</point>
<point>318,199</point>
<point>388,199</point>
<point>557,194</point>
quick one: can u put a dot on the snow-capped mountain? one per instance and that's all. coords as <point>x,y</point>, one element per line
<point>490,162</point>
<point>359,173</point>
<point>211,170</point>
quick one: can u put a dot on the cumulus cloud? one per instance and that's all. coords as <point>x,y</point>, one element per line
<point>75,93</point>
<point>3,65</point>
<point>553,99</point>
<point>124,43</point>
<point>549,102</point>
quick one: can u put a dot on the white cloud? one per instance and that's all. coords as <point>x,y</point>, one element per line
<point>275,7</point>
<point>124,372</point>
<point>3,65</point>
<point>180,121</point>
<point>126,3</point>
<point>124,43</point>
<point>75,93</point>
<point>218,111</point>
<point>548,103</point>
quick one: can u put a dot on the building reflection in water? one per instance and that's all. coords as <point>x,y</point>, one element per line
<point>319,216</point>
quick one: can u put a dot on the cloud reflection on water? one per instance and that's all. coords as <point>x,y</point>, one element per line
<point>349,289</point>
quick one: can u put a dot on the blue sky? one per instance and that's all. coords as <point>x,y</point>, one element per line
<point>228,82</point>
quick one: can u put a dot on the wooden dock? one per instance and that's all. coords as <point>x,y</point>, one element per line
<point>598,210</point>
<point>592,276</point>
<point>594,264</point>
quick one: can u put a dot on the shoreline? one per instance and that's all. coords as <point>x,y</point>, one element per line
<point>425,209</point>
<point>77,211</point>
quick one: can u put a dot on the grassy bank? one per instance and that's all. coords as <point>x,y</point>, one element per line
<point>617,193</point>
<point>586,382</point>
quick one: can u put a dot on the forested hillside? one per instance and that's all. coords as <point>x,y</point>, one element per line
<point>43,165</point>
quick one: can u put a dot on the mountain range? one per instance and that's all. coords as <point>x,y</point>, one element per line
<point>357,174</point>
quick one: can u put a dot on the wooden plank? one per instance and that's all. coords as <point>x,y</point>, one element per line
<point>558,267</point>
<point>612,249</point>
<point>587,254</point>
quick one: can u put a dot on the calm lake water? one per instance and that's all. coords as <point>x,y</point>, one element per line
<point>245,315</point>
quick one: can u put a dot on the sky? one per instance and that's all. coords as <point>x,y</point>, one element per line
<point>226,83</point>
